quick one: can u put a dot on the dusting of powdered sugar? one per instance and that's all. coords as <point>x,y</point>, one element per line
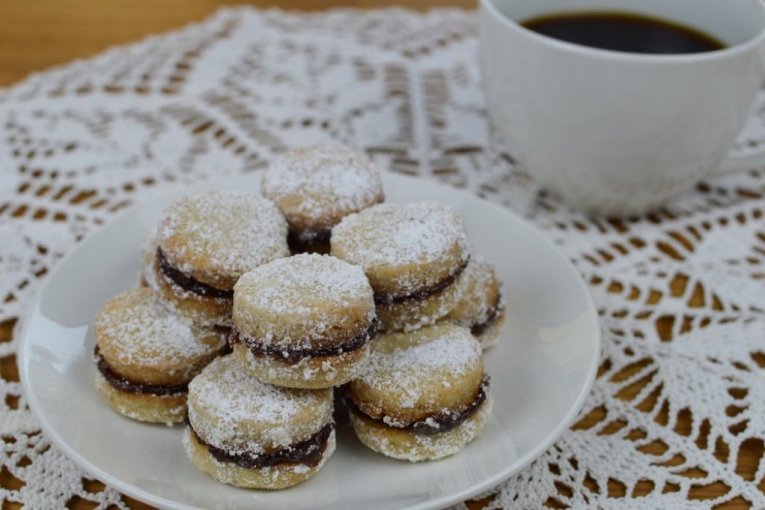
<point>476,305</point>
<point>230,232</point>
<point>316,186</point>
<point>145,333</point>
<point>230,397</point>
<point>398,234</point>
<point>403,369</point>
<point>310,289</point>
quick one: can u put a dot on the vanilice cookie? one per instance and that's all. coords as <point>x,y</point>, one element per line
<point>206,241</point>
<point>482,307</point>
<point>413,254</point>
<point>304,321</point>
<point>315,187</point>
<point>423,396</point>
<point>146,356</point>
<point>244,432</point>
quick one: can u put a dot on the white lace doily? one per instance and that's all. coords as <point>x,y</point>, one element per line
<point>679,406</point>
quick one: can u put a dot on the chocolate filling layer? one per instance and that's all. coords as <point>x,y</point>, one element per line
<point>308,452</point>
<point>308,237</point>
<point>294,355</point>
<point>443,421</point>
<point>123,384</point>
<point>309,242</point>
<point>479,328</point>
<point>187,283</point>
<point>424,292</point>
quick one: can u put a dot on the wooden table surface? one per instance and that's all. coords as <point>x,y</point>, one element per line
<point>37,34</point>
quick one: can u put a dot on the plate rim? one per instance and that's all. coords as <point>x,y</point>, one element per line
<point>438,502</point>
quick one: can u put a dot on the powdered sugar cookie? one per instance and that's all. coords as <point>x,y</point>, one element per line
<point>206,241</point>
<point>423,395</point>
<point>413,254</point>
<point>303,321</point>
<point>315,187</point>
<point>250,434</point>
<point>482,307</point>
<point>146,356</point>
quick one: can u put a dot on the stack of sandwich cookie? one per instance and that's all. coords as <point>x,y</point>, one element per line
<point>146,356</point>
<point>423,396</point>
<point>315,187</point>
<point>246,433</point>
<point>217,277</point>
<point>303,322</point>
<point>414,256</point>
<point>205,242</point>
<point>482,307</point>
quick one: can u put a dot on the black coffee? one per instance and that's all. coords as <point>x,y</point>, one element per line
<point>633,33</point>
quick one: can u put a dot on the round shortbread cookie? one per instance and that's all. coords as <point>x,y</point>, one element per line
<point>482,307</point>
<point>410,376</point>
<point>315,187</point>
<point>146,356</point>
<point>251,434</point>
<point>423,395</point>
<point>233,410</point>
<point>304,301</point>
<point>167,409</point>
<point>216,236</point>
<point>304,321</point>
<point>145,343</point>
<point>404,249</point>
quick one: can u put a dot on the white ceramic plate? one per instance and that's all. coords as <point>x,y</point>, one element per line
<point>541,372</point>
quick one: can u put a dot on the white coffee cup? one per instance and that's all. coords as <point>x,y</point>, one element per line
<point>613,132</point>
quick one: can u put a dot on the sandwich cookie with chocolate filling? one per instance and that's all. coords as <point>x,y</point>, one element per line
<point>206,241</point>
<point>244,432</point>
<point>146,356</point>
<point>482,307</point>
<point>413,254</point>
<point>304,321</point>
<point>315,187</point>
<point>423,396</point>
